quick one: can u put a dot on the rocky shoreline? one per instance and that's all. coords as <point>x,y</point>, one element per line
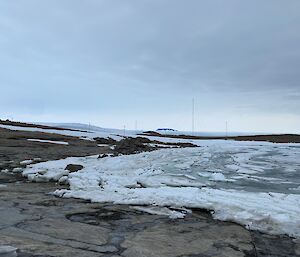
<point>38,224</point>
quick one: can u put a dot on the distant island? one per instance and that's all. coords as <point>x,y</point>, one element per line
<point>166,129</point>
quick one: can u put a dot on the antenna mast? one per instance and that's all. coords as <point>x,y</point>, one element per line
<point>193,114</point>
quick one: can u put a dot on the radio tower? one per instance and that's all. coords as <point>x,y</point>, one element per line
<point>193,114</point>
<point>226,130</point>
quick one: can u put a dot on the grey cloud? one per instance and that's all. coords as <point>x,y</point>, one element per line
<point>226,53</point>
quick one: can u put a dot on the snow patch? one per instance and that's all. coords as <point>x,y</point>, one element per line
<point>26,162</point>
<point>8,251</point>
<point>48,141</point>
<point>17,170</point>
<point>155,179</point>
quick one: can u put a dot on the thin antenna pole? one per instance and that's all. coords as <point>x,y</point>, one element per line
<point>226,129</point>
<point>135,125</point>
<point>199,126</point>
<point>193,114</point>
<point>124,131</point>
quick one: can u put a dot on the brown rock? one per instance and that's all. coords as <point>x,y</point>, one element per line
<point>74,167</point>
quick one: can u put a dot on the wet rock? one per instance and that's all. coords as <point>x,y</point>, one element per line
<point>23,254</point>
<point>270,245</point>
<point>49,203</point>
<point>189,239</point>
<point>74,167</point>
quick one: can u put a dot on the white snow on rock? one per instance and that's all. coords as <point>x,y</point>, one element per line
<point>53,170</point>
<point>8,251</point>
<point>48,141</point>
<point>296,189</point>
<point>214,176</point>
<point>17,170</point>
<point>162,145</point>
<point>26,162</point>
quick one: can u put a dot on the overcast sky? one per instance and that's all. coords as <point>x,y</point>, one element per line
<point>114,62</point>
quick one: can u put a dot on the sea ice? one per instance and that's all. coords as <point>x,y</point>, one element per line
<point>155,179</point>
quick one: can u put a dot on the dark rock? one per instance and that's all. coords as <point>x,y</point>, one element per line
<point>102,156</point>
<point>132,145</point>
<point>151,133</point>
<point>108,141</point>
<point>185,145</point>
<point>178,144</point>
<point>74,167</point>
<point>142,140</point>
